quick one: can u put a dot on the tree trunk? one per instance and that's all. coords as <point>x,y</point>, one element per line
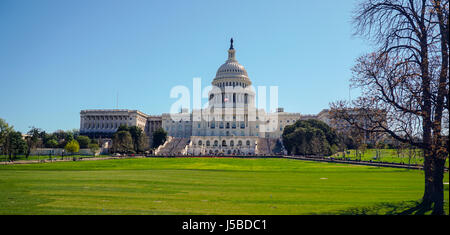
<point>438,185</point>
<point>427,166</point>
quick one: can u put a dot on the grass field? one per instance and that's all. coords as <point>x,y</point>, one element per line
<point>388,155</point>
<point>4,158</point>
<point>207,186</point>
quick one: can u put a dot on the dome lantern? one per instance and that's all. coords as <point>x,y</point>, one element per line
<point>231,71</point>
<point>231,52</point>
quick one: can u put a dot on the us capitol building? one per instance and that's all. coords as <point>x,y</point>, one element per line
<point>231,123</point>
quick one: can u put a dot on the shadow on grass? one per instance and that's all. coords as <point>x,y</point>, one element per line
<point>399,208</point>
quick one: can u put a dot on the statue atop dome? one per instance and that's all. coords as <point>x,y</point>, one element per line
<point>231,46</point>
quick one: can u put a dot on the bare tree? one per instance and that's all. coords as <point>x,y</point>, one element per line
<point>406,80</point>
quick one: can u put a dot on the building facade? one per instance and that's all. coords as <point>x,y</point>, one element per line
<point>103,123</point>
<point>230,124</point>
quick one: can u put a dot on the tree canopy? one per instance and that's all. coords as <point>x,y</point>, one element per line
<point>139,141</point>
<point>72,147</point>
<point>83,141</point>
<point>310,137</point>
<point>159,137</point>
<point>122,142</point>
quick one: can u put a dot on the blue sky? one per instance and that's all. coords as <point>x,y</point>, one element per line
<point>59,57</point>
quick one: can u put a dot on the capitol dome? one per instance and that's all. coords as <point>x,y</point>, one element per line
<point>231,73</point>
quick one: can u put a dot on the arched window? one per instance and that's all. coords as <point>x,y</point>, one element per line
<point>232,143</point>
<point>200,143</point>
<point>216,143</point>
<point>248,143</point>
<point>224,143</point>
<point>208,143</point>
<point>240,143</point>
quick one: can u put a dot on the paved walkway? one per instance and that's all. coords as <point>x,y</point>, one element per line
<point>354,162</point>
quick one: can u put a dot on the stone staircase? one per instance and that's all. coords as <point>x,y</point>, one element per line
<point>276,146</point>
<point>173,146</point>
<point>262,147</point>
<point>269,146</point>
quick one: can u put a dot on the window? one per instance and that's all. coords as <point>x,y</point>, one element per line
<point>208,143</point>
<point>248,143</point>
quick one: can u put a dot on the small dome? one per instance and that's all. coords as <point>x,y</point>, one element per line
<point>231,68</point>
<point>231,71</point>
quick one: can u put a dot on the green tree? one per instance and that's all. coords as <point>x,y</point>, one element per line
<point>123,128</point>
<point>17,144</point>
<point>94,148</point>
<point>83,141</point>
<point>72,147</point>
<point>5,129</point>
<point>140,142</point>
<point>159,137</point>
<point>63,137</point>
<point>122,142</point>
<point>52,143</point>
<point>33,140</point>
<point>310,137</point>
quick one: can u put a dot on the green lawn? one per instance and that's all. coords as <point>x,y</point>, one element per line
<point>207,186</point>
<point>4,158</point>
<point>388,155</point>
